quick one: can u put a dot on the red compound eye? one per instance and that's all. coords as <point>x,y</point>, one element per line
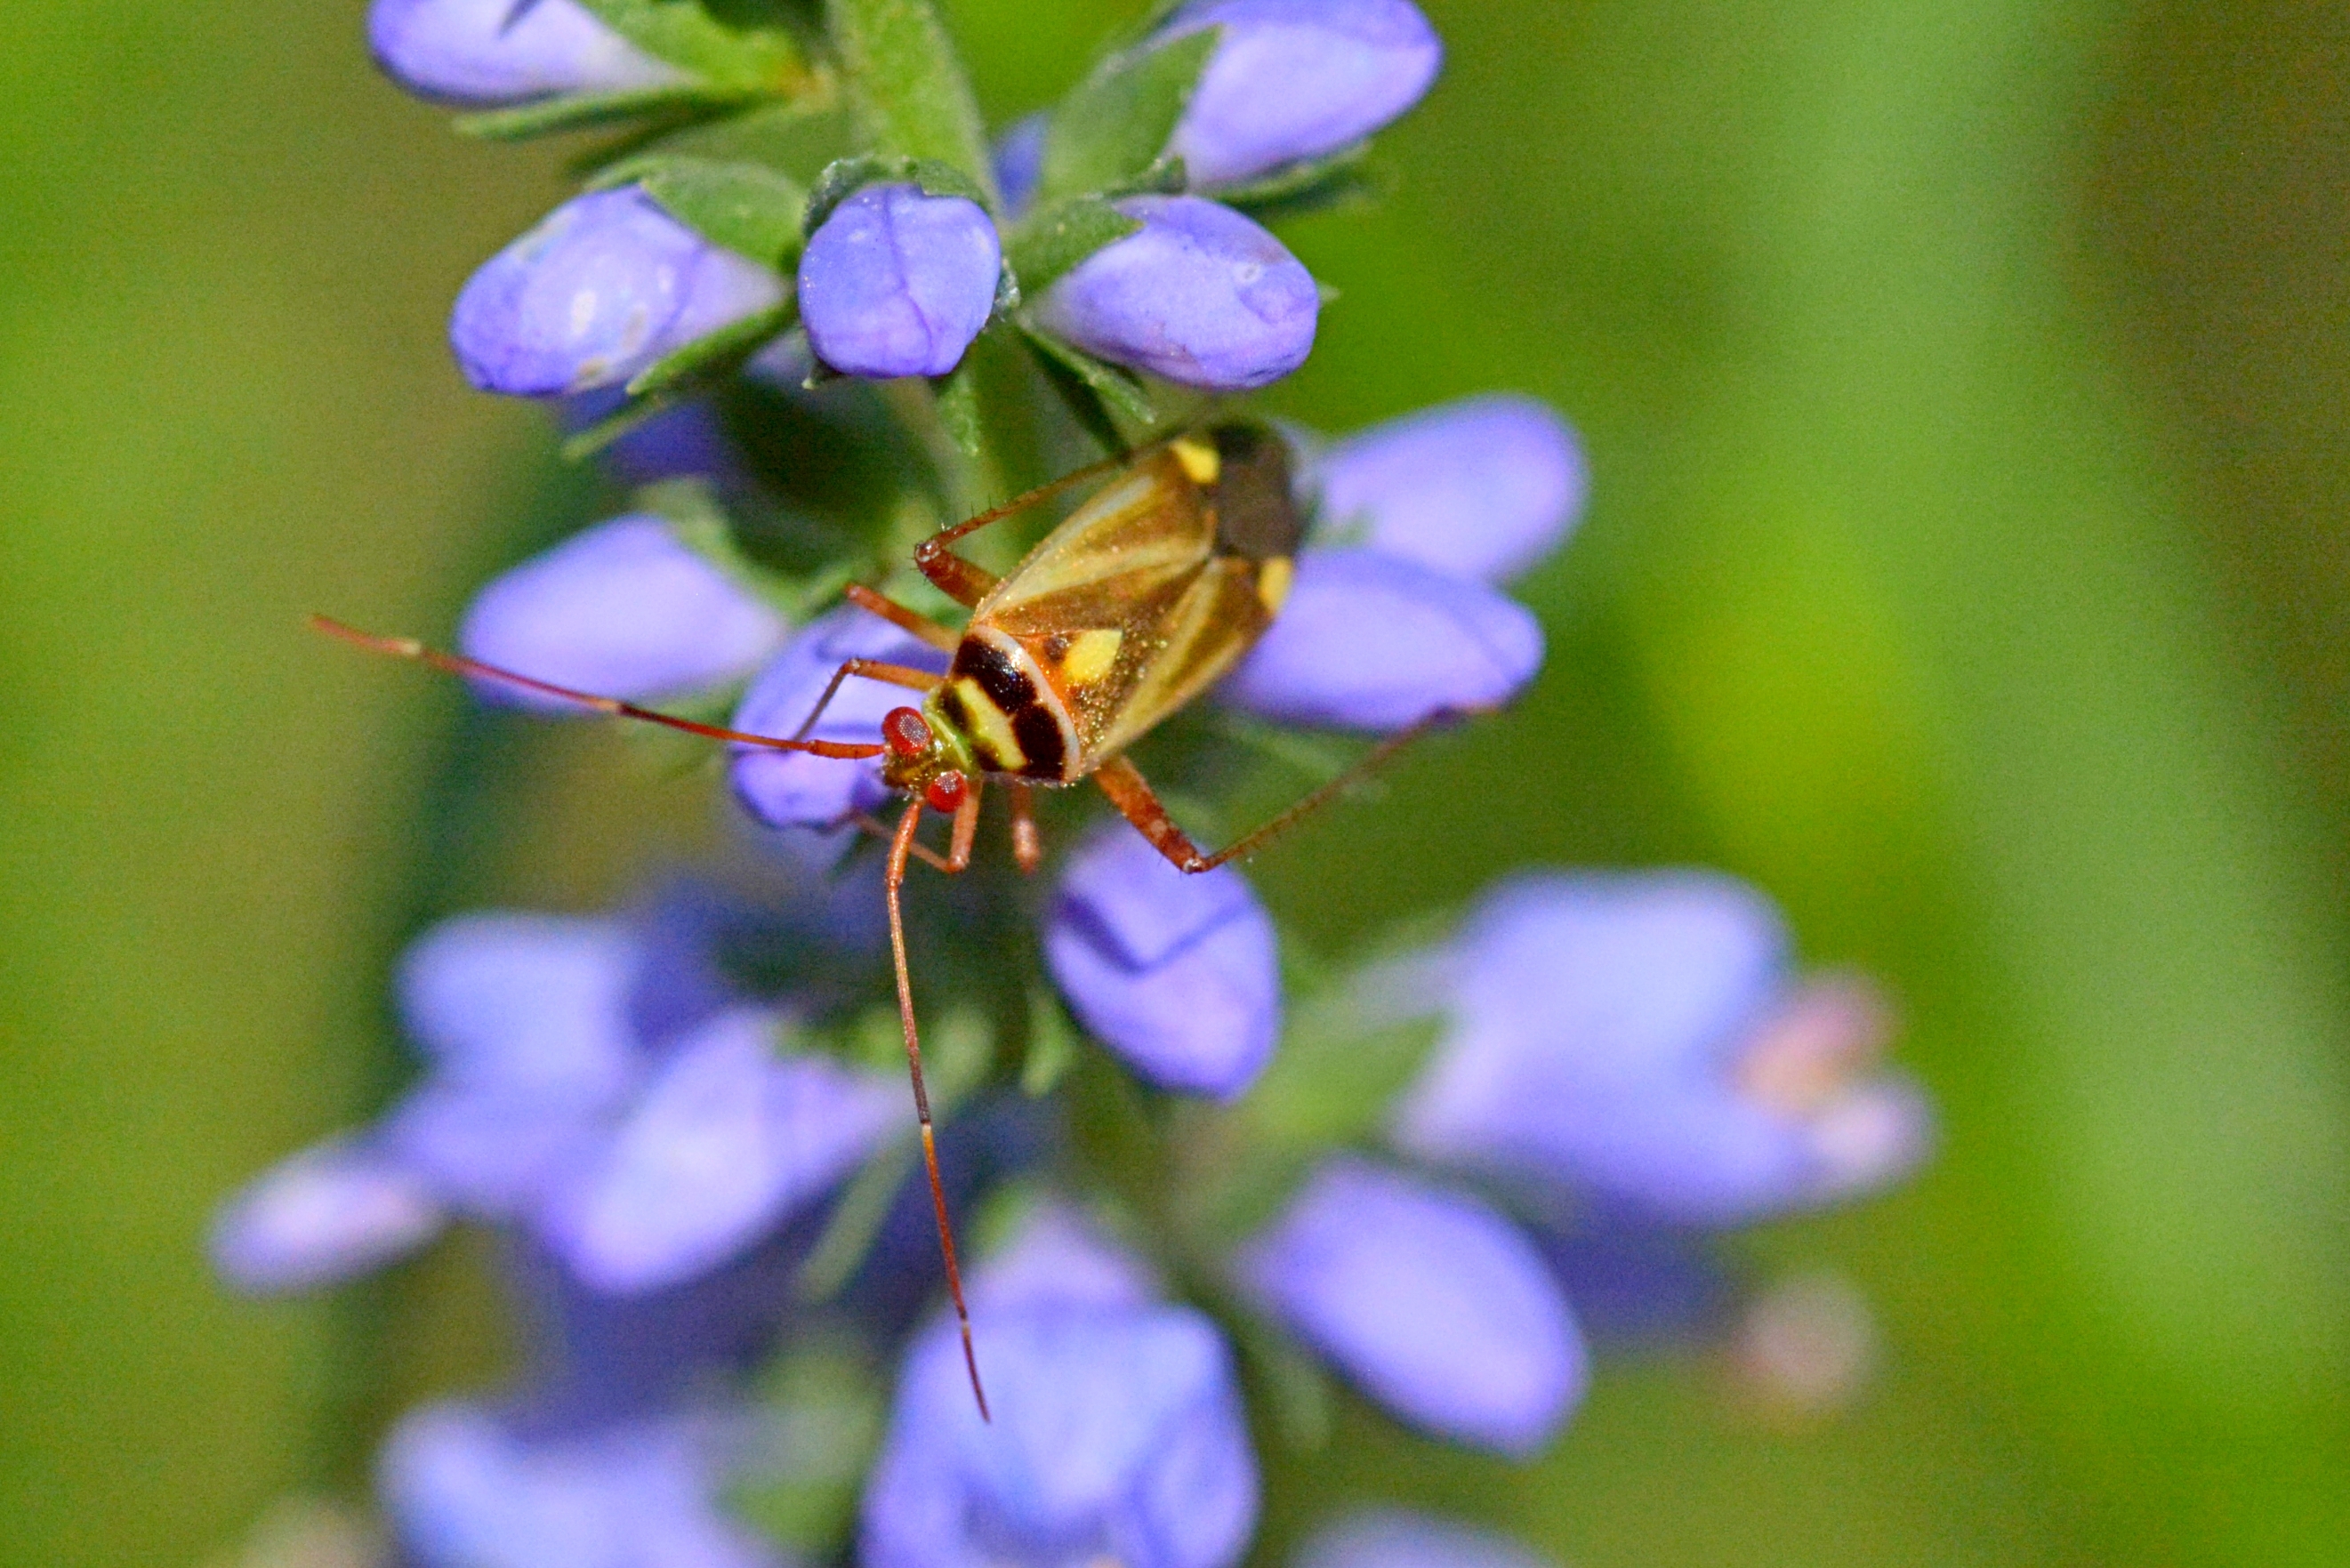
<point>904,732</point>
<point>946,792</point>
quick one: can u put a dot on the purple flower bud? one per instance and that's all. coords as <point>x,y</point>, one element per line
<point>686,441</point>
<point>785,789</point>
<point>1480,488</point>
<point>1639,1038</point>
<point>1368,641</point>
<point>725,1142</point>
<point>531,1003</point>
<point>1392,1538</point>
<point>623,610</point>
<point>898,282</point>
<point>1297,79</point>
<point>1177,974</point>
<point>1436,1305</point>
<point>608,283</point>
<point>464,1489</point>
<point>1118,1436</point>
<point>1199,295</point>
<point>1019,159</point>
<point>328,1213</point>
<point>506,51</point>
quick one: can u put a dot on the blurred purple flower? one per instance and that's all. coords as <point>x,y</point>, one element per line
<point>1179,974</point>
<point>489,52</point>
<point>1199,295</point>
<point>1393,1538</point>
<point>622,609</point>
<point>1641,1038</point>
<point>1019,159</point>
<point>1297,79</point>
<point>1119,1432</point>
<point>608,283</point>
<point>331,1211</point>
<point>783,789</point>
<point>685,441</point>
<point>1433,1303</point>
<point>898,282</point>
<point>465,1489</point>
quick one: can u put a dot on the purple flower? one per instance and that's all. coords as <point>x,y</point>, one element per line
<point>1119,1432</point>
<point>1177,974</point>
<point>1019,159</point>
<point>1297,79</point>
<point>506,51</point>
<point>465,1489</point>
<point>1370,641</point>
<point>1481,487</point>
<point>785,789</point>
<point>1433,1303</point>
<point>606,286</point>
<point>898,282</point>
<point>686,440</point>
<point>332,1211</point>
<point>1641,1038</point>
<point>623,610</point>
<point>1199,295</point>
<point>1392,1538</point>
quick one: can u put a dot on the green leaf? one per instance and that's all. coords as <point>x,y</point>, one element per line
<point>585,111</point>
<point>706,358</point>
<point>747,207</point>
<point>1338,181</point>
<point>1051,1044</point>
<point>1121,395</point>
<point>1049,245</point>
<point>907,88</point>
<point>1114,126</point>
<point>748,43</point>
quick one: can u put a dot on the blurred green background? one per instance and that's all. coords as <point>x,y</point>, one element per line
<point>1968,387</point>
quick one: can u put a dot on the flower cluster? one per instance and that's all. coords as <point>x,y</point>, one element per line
<point>810,310</point>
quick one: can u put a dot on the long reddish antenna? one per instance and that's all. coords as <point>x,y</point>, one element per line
<point>457,664</point>
<point>901,846</point>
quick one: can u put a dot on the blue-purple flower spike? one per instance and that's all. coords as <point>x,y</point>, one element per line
<point>1199,295</point>
<point>623,610</point>
<point>1119,1432</point>
<point>491,52</point>
<point>1178,974</point>
<point>1293,80</point>
<point>1641,1039</point>
<point>608,283</point>
<point>896,282</point>
<point>1433,1303</point>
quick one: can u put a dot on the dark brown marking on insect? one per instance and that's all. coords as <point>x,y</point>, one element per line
<point>1257,515</point>
<point>1006,685</point>
<point>950,703</point>
<point>1039,732</point>
<point>1056,647</point>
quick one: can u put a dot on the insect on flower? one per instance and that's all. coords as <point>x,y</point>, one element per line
<point>1143,597</point>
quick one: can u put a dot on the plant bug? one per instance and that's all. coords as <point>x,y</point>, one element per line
<point>1143,597</point>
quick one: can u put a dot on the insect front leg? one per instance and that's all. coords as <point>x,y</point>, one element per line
<point>961,580</point>
<point>903,675</point>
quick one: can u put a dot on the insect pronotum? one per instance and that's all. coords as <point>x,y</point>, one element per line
<point>1139,600</point>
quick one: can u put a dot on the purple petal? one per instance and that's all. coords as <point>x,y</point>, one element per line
<point>324,1215</point>
<point>1435,1305</point>
<point>689,439</point>
<point>1367,641</point>
<point>1199,295</point>
<point>1059,1256</point>
<point>785,789</point>
<point>488,52</point>
<point>608,283</point>
<point>1297,79</point>
<point>529,1004</point>
<point>1392,1538</point>
<point>622,609</point>
<point>1480,488</point>
<point>898,282</point>
<point>726,1142</point>
<point>1019,159</point>
<point>1179,974</point>
<point>494,1151</point>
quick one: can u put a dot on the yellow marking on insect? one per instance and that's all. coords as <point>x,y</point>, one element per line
<point>1091,654</point>
<point>991,724</point>
<point>1199,459</point>
<point>1273,580</point>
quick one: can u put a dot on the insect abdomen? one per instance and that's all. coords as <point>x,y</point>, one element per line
<point>1013,721</point>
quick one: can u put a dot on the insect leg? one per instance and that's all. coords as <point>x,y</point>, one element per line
<point>872,669</point>
<point>902,846</point>
<point>944,639</point>
<point>967,583</point>
<point>881,830</point>
<point>1138,803</point>
<point>1027,848</point>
